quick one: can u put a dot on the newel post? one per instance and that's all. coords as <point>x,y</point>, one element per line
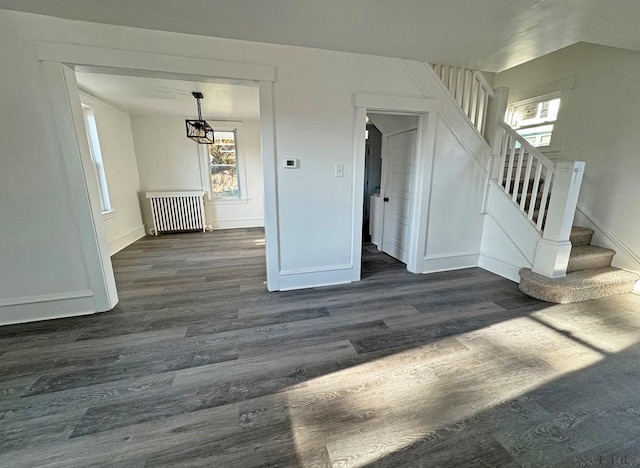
<point>552,252</point>
<point>497,110</point>
<point>493,165</point>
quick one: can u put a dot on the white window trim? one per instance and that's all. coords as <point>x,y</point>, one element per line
<point>558,89</point>
<point>87,102</point>
<point>108,214</point>
<point>238,127</point>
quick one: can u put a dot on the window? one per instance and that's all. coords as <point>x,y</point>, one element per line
<point>96,157</point>
<point>223,165</point>
<point>536,119</point>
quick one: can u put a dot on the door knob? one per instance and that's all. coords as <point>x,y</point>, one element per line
<point>385,199</point>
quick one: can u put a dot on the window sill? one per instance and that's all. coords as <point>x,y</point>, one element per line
<point>108,215</point>
<point>226,201</point>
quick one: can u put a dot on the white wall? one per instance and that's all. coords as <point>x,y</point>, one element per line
<point>314,122</point>
<point>40,261</point>
<point>124,225</point>
<point>602,130</point>
<point>169,161</point>
<point>455,209</point>
<point>509,240</point>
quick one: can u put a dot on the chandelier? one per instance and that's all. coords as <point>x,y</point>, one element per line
<point>199,130</point>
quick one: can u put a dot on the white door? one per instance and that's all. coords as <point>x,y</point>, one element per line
<point>401,149</point>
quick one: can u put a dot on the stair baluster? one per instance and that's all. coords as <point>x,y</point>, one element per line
<point>470,90</point>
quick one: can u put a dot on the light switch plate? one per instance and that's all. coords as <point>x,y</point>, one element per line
<point>339,170</point>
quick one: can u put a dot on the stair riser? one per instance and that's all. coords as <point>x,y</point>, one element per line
<point>581,240</point>
<point>589,274</point>
<point>561,296</point>
<point>590,262</point>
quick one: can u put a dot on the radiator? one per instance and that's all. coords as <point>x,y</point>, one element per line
<point>177,211</point>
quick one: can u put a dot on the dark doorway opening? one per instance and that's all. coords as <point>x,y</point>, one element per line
<point>372,175</point>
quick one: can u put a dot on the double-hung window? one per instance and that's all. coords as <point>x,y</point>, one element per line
<point>223,165</point>
<point>96,157</point>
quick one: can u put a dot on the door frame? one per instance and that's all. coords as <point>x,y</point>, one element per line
<point>427,111</point>
<point>385,167</point>
<point>60,61</point>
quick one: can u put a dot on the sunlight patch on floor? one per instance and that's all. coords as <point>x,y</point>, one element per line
<point>362,414</point>
<point>606,330</point>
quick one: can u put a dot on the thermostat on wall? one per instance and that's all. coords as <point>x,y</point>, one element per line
<point>290,163</point>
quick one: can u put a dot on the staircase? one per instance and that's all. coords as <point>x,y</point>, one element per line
<point>534,201</point>
<point>589,274</point>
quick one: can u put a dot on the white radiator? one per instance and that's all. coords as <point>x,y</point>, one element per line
<point>177,211</point>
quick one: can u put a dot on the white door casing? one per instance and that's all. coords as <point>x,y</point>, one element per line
<point>59,62</point>
<point>427,111</point>
<point>398,192</point>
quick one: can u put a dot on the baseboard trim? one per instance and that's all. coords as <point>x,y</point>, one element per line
<point>306,271</point>
<point>221,224</point>
<point>126,240</point>
<point>46,307</point>
<point>451,261</point>
<point>612,241</point>
<point>616,243</point>
<point>313,278</point>
<point>499,266</point>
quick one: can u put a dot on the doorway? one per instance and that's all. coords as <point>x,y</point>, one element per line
<point>61,61</point>
<point>418,142</point>
<point>390,162</point>
<point>372,179</point>
<point>141,122</point>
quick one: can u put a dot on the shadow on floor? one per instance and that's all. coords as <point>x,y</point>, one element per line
<point>199,364</point>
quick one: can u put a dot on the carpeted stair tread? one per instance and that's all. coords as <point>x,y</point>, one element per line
<point>580,236</point>
<point>587,257</point>
<point>579,285</point>
<point>582,279</point>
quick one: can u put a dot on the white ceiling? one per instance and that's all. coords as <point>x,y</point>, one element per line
<point>388,123</point>
<point>159,96</point>
<point>490,35</point>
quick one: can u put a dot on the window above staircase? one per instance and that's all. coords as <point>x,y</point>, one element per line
<point>539,115</point>
<point>535,119</point>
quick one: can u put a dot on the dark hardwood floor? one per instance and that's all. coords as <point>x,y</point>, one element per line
<point>199,366</point>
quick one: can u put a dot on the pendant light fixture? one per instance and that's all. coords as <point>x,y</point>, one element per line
<point>199,130</point>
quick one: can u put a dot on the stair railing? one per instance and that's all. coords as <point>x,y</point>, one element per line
<point>525,174</point>
<point>545,192</point>
<point>470,90</point>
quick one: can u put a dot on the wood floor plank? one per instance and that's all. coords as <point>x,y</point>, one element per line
<point>278,317</point>
<point>198,365</point>
<point>158,405</point>
<point>130,445</point>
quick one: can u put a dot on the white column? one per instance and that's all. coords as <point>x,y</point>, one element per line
<point>65,101</point>
<point>270,178</point>
<point>553,250</point>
